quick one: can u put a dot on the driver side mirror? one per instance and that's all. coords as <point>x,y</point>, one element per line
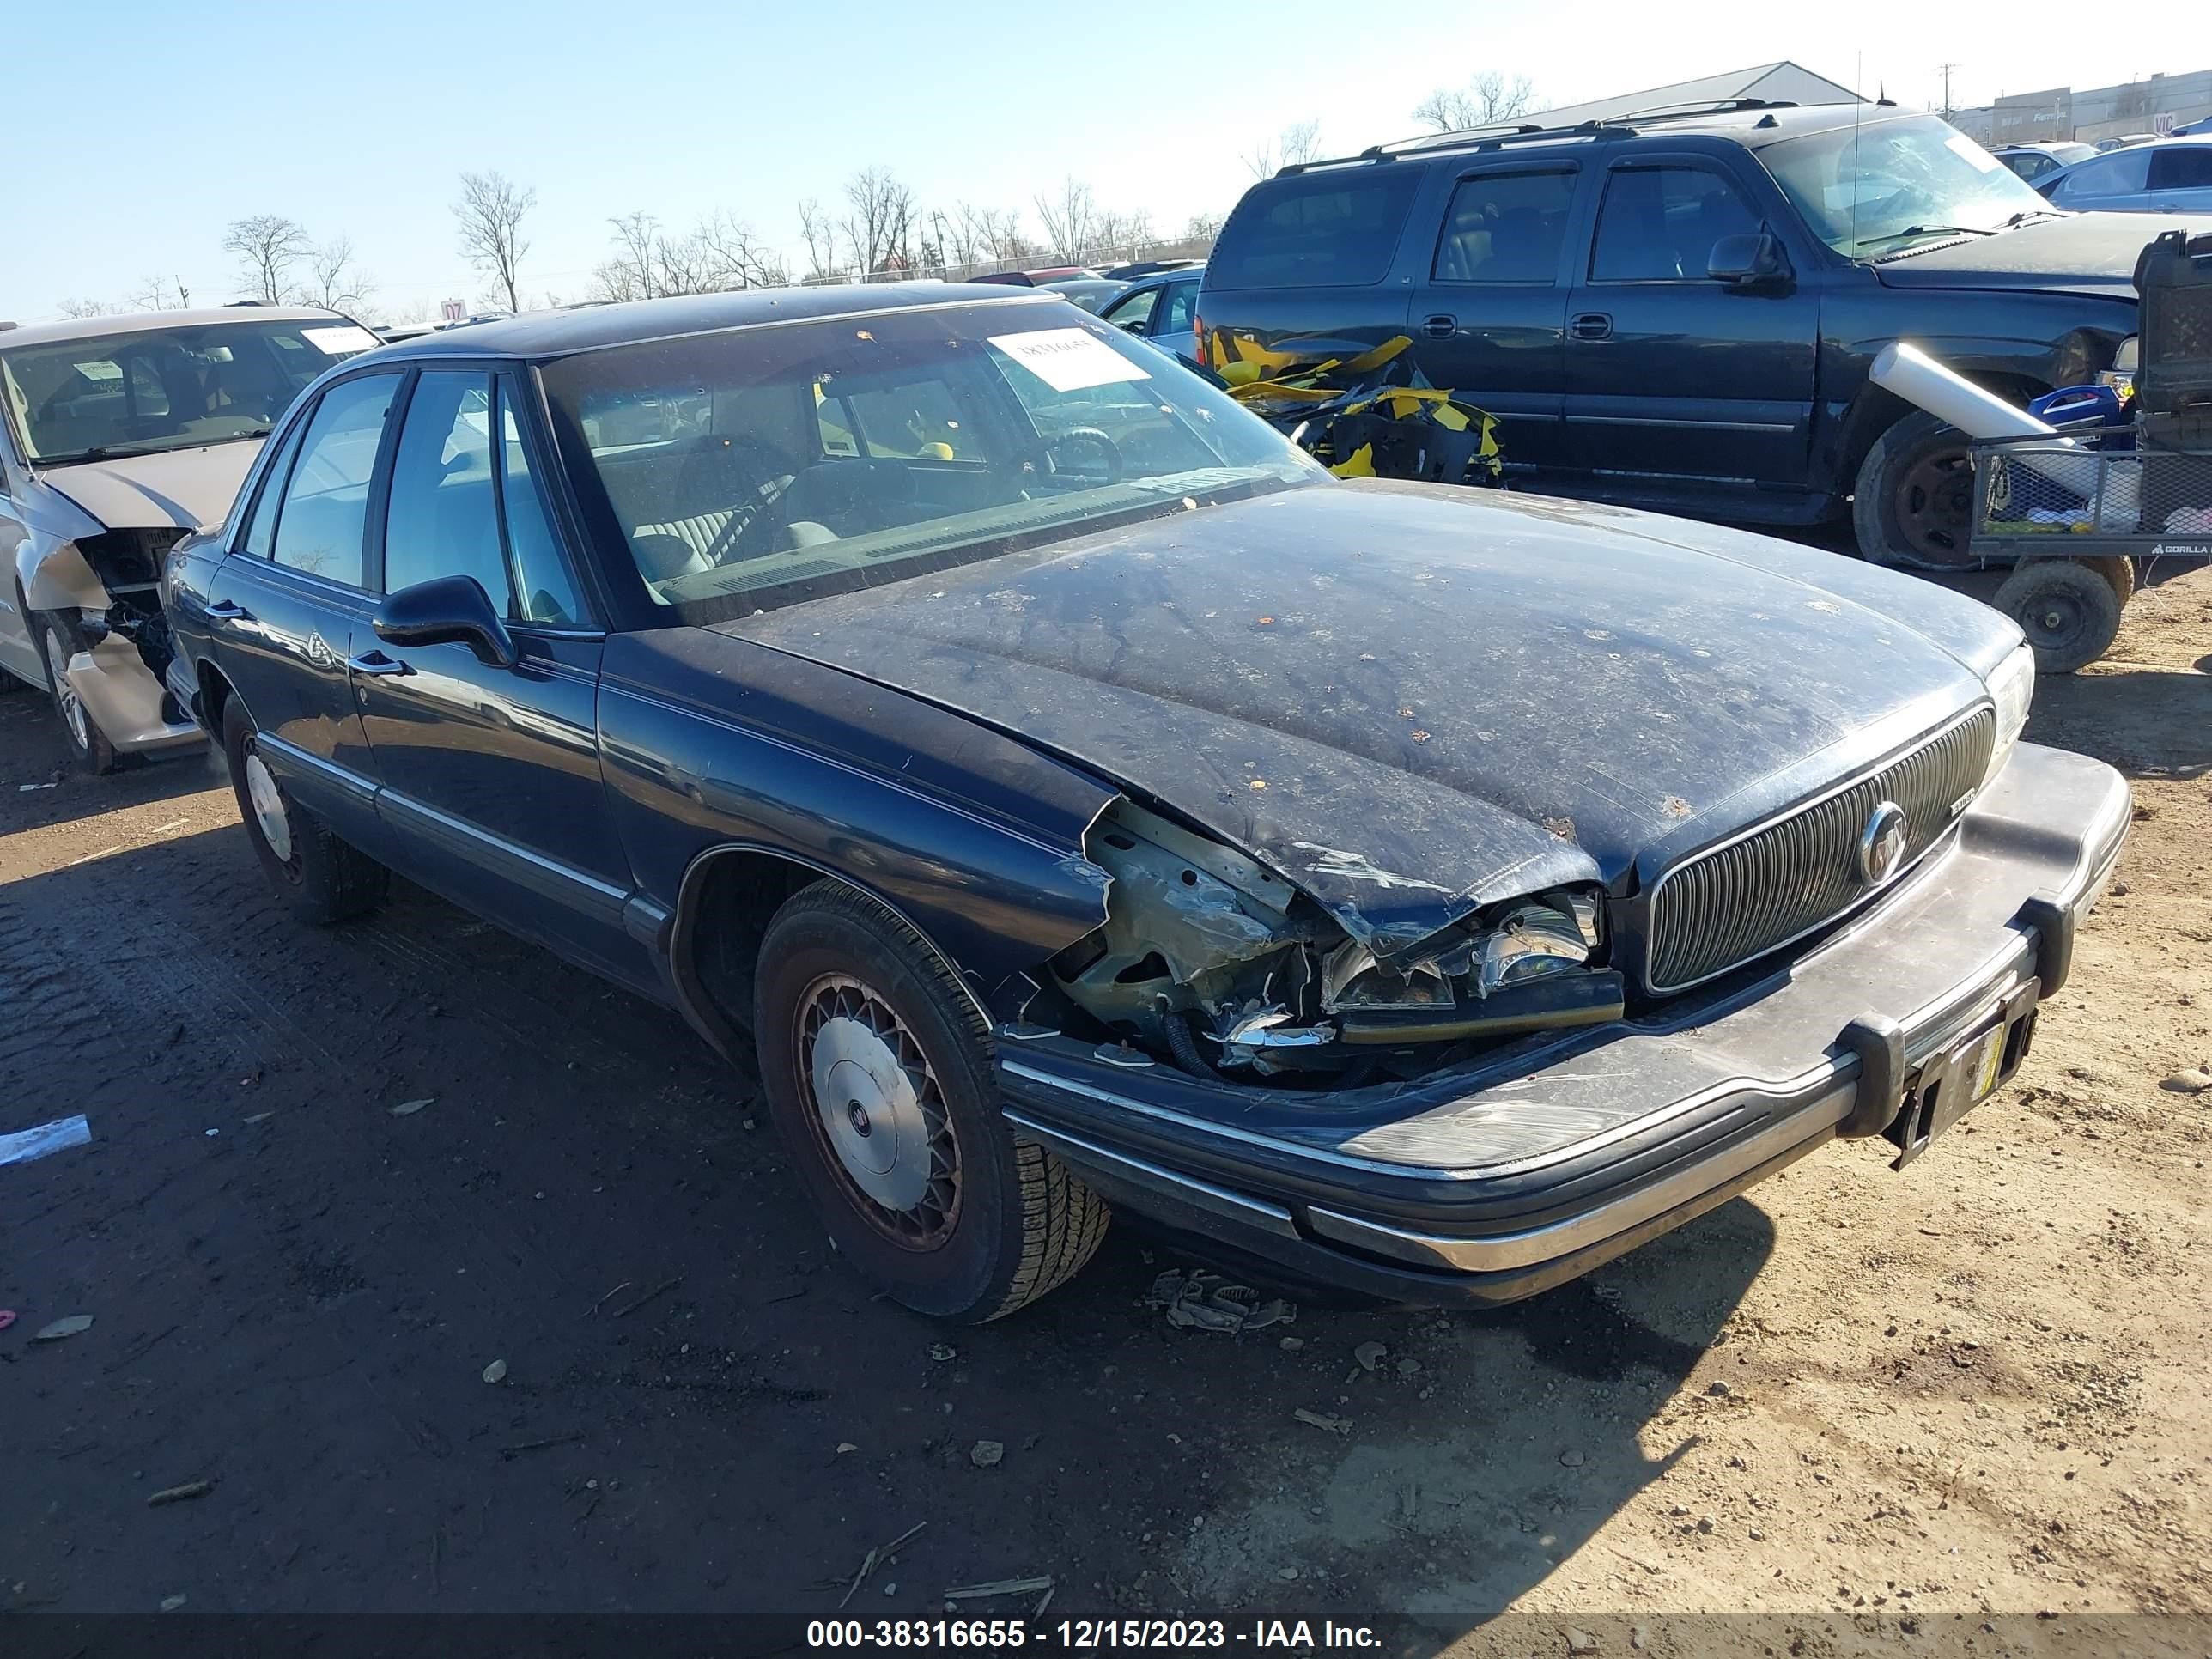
<point>1750,260</point>
<point>445,610</point>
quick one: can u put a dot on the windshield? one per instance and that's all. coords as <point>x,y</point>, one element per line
<point>167,388</point>
<point>759,466</point>
<point>1878,190</point>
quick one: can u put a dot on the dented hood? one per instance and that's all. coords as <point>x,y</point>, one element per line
<point>1413,700</point>
<point>187,488</point>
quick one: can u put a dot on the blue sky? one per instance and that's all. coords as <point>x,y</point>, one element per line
<point>141,128</point>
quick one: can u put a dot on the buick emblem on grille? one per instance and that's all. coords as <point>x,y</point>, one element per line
<point>1882,843</point>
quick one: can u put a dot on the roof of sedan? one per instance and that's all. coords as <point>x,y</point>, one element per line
<point>146,322</point>
<point>585,328</point>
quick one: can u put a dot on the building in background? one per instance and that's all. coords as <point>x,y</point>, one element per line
<point>2158,105</point>
<point>1785,83</point>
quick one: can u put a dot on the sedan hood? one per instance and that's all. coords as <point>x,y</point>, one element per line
<point>187,488</point>
<point>2082,252</point>
<point>1413,700</point>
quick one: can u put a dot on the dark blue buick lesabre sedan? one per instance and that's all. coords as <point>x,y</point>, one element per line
<point>1080,798</point>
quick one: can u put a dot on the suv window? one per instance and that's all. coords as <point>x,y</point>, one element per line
<point>1183,299</point>
<point>443,520</point>
<point>326,510</point>
<point>2121,173</point>
<point>1505,227</point>
<point>2184,166</point>
<point>1659,224</point>
<point>1134,312</point>
<point>1336,229</point>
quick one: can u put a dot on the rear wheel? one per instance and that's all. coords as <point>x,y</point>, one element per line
<point>321,878</point>
<point>2069,612</point>
<point>879,1075</point>
<point>1913,503</point>
<point>87,742</point>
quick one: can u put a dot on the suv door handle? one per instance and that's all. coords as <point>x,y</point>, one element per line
<point>1440,327</point>
<point>1591,325</point>
<point>224,610</point>
<point>375,662</point>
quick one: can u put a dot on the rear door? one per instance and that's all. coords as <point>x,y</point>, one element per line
<point>490,773</point>
<point>1671,374</point>
<point>2119,181</point>
<point>1490,307</point>
<point>291,603</point>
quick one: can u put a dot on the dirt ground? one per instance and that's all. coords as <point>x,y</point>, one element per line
<point>1975,1388</point>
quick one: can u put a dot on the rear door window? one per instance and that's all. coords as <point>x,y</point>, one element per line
<point>444,519</point>
<point>2121,173</point>
<point>1335,228</point>
<point>2184,166</point>
<point>1505,227</point>
<point>325,513</point>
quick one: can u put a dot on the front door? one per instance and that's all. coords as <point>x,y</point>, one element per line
<point>1488,321</point>
<point>490,773</point>
<point>1669,373</point>
<point>290,605</point>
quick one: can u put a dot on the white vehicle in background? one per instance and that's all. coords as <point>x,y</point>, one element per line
<point>118,435</point>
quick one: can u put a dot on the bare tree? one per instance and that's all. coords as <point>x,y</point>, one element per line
<point>160,293</point>
<point>338,283</point>
<point>86,308</point>
<point>879,229</point>
<point>820,235</point>
<point>1070,220</point>
<point>1296,142</point>
<point>1485,100</point>
<point>1203,226</point>
<point>268,246</point>
<point>490,213</point>
<point>719,254</point>
<point>1121,233</point>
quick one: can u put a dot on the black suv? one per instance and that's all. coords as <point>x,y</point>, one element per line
<point>1678,310</point>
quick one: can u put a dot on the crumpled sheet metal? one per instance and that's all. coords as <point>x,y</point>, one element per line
<point>1368,417</point>
<point>1207,1301</point>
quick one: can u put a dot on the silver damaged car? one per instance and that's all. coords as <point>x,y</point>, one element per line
<point>119,435</point>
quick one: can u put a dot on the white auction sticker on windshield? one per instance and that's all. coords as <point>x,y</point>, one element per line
<point>338,338</point>
<point>1068,359</point>
<point>1961,145</point>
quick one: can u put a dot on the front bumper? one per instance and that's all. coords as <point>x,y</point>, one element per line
<point>128,705</point>
<point>1561,1152</point>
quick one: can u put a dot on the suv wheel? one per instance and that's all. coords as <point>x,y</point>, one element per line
<point>87,742</point>
<point>879,1075</point>
<point>1913,503</point>
<point>320,876</point>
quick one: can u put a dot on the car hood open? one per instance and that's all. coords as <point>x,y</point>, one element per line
<point>2079,252</point>
<point>187,488</point>
<point>1413,700</point>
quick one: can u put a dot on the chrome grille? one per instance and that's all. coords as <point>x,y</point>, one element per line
<point>1787,878</point>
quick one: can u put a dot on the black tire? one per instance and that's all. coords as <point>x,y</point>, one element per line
<point>58,640</point>
<point>2119,570</point>
<point>2069,612</point>
<point>1913,503</point>
<point>321,877</point>
<point>1000,1221</point>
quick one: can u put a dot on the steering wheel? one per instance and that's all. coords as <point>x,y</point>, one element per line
<point>1080,437</point>
<point>731,469</point>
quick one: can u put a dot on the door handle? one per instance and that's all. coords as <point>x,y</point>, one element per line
<point>1591,325</point>
<point>375,662</point>
<point>224,610</point>
<point>1440,327</point>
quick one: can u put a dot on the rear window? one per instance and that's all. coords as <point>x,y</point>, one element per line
<point>1333,230</point>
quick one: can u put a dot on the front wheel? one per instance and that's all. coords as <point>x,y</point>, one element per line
<point>87,742</point>
<point>879,1073</point>
<point>321,878</point>
<point>1913,504</point>
<point>2069,612</point>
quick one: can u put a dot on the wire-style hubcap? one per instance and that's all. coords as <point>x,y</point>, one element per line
<point>880,1111</point>
<point>269,808</point>
<point>66,701</point>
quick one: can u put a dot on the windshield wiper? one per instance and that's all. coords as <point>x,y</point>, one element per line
<point>145,446</point>
<point>1926,230</point>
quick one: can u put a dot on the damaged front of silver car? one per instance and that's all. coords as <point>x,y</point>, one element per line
<point>118,437</point>
<point>1491,884</point>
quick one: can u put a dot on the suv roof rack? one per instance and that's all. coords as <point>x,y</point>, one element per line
<point>1529,131</point>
